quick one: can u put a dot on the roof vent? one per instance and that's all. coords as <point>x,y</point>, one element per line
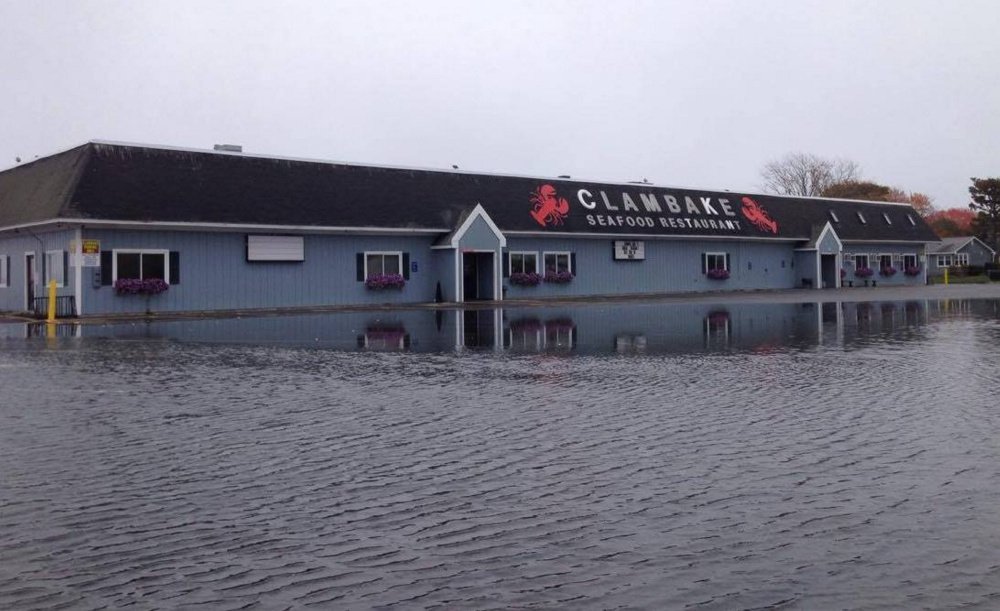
<point>229,148</point>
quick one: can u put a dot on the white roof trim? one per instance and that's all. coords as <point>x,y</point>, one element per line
<point>829,227</point>
<point>477,212</point>
<point>647,236</point>
<point>222,227</point>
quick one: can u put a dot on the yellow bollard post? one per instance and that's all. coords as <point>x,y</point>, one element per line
<point>52,301</point>
<point>946,276</point>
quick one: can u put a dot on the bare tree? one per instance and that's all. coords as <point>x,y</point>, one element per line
<point>807,174</point>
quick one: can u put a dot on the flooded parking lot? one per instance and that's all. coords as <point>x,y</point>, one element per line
<point>648,456</point>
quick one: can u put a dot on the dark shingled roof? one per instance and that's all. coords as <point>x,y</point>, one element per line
<point>118,182</point>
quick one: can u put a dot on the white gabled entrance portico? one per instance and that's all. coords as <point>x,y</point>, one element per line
<point>478,246</point>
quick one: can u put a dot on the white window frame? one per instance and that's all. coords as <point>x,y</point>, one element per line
<point>557,254</point>
<point>884,254</point>
<point>962,259</point>
<point>140,252</point>
<point>868,261</point>
<point>913,257</point>
<point>861,217</point>
<point>708,258</point>
<point>510,259</point>
<point>4,271</point>
<point>384,253</point>
<point>61,256</point>
<point>944,260</point>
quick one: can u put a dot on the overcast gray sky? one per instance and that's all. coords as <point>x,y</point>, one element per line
<point>685,93</point>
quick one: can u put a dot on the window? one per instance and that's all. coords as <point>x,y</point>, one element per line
<point>944,260</point>
<point>141,265</point>
<point>909,261</point>
<point>860,261</point>
<point>886,217</point>
<point>557,262</point>
<point>716,260</point>
<point>524,262</point>
<point>962,258</point>
<point>884,261</point>
<point>383,263</point>
<point>4,271</point>
<point>861,218</point>
<point>833,215</point>
<point>55,267</point>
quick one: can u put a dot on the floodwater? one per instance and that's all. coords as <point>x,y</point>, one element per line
<point>639,456</point>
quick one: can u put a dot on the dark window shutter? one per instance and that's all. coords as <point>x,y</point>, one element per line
<point>704,263</point>
<point>572,263</point>
<point>406,266</point>
<point>361,266</point>
<point>728,267</point>
<point>45,276</point>
<point>106,268</point>
<point>65,273</point>
<point>505,262</point>
<point>175,267</point>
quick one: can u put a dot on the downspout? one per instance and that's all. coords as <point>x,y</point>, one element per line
<point>78,275</point>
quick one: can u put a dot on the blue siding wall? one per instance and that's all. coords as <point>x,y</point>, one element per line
<point>670,266</point>
<point>978,254</point>
<point>480,237</point>
<point>444,271</point>
<point>805,268</point>
<point>12,297</point>
<point>216,276</point>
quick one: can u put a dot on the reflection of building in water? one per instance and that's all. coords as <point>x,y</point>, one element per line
<point>633,328</point>
<point>533,334</point>
<point>717,330</point>
<point>384,337</point>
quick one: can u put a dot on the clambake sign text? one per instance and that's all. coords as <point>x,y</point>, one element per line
<point>602,208</point>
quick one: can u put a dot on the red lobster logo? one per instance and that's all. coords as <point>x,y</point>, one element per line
<point>549,207</point>
<point>756,214</point>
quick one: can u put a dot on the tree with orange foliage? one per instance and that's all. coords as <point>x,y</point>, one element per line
<point>952,222</point>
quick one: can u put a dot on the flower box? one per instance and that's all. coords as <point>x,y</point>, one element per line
<point>378,282</point>
<point>136,286</point>
<point>888,272</point>
<point>718,274</point>
<point>912,271</point>
<point>864,272</point>
<point>558,277</point>
<point>525,278</point>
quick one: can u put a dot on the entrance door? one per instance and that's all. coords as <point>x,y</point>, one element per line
<point>29,279</point>
<point>828,271</point>
<point>477,276</point>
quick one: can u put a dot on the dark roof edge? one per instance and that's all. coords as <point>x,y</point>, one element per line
<point>627,184</point>
<point>41,158</point>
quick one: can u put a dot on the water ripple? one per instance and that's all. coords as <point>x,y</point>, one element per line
<point>163,475</point>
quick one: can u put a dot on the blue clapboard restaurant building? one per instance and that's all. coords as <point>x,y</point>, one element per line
<point>130,228</point>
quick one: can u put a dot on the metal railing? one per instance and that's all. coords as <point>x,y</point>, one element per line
<point>65,306</point>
